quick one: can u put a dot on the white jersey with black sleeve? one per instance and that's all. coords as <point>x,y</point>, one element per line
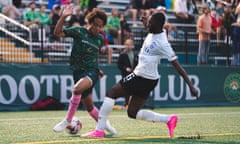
<point>155,47</point>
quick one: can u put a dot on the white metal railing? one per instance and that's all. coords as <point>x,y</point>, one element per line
<point>15,36</point>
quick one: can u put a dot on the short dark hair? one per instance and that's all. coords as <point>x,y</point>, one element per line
<point>156,22</point>
<point>31,2</point>
<point>160,19</point>
<point>97,13</point>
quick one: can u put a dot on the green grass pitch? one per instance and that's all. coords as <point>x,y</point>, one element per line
<point>197,125</point>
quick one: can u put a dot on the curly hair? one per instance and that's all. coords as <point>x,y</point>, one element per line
<point>97,13</point>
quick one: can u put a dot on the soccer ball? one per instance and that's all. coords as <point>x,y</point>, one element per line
<point>75,127</point>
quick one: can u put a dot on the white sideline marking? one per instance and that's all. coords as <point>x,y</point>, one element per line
<point>116,116</point>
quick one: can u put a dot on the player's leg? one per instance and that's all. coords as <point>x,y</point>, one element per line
<point>94,112</point>
<point>201,53</point>
<point>105,110</point>
<point>139,98</point>
<point>78,89</point>
<point>126,100</point>
<point>135,112</point>
<point>207,46</point>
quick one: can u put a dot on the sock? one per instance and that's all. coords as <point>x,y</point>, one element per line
<point>94,113</point>
<point>73,106</point>
<point>105,110</point>
<point>151,116</point>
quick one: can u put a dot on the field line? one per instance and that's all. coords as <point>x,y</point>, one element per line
<point>112,116</point>
<point>126,138</point>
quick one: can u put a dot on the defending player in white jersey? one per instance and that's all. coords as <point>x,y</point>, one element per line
<point>143,80</point>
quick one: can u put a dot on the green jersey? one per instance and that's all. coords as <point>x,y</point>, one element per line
<point>114,22</point>
<point>85,48</point>
<point>30,15</point>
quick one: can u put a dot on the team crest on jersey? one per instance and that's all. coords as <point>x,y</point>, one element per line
<point>232,87</point>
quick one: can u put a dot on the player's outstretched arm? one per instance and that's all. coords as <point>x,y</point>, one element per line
<point>183,73</point>
<point>67,11</point>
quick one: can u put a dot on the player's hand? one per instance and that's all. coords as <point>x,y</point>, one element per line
<point>67,10</point>
<point>194,92</point>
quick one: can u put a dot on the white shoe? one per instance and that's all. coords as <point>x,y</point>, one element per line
<point>110,129</point>
<point>61,125</point>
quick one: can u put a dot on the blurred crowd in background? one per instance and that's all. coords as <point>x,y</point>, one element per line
<point>225,14</point>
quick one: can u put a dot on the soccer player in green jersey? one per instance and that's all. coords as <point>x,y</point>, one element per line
<point>87,43</point>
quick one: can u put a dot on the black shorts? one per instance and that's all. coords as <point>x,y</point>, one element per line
<point>138,86</point>
<point>92,74</point>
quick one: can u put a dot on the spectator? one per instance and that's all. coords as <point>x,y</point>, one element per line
<point>113,27</point>
<point>125,32</point>
<point>88,4</point>
<point>216,24</point>
<point>44,19</point>
<point>31,16</point>
<point>31,19</point>
<point>78,18</point>
<point>147,7</point>
<point>181,11</point>
<point>127,61</point>
<point>236,38</point>
<point>220,8</point>
<point>133,9</point>
<point>11,11</point>
<point>204,32</point>
<point>227,21</point>
<point>105,49</point>
<point>141,8</point>
<point>54,15</point>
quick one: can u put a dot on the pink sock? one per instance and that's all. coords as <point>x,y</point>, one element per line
<point>94,113</point>
<point>73,106</point>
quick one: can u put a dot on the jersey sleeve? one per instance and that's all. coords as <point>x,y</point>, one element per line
<point>73,32</point>
<point>168,52</point>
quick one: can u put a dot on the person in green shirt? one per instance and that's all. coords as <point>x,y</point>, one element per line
<point>43,16</point>
<point>31,17</point>
<point>113,26</point>
<point>44,19</point>
<point>87,43</point>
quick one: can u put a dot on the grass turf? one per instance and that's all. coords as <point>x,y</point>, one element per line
<point>218,125</point>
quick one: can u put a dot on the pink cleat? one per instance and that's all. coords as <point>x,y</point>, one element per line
<point>171,124</point>
<point>95,134</point>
